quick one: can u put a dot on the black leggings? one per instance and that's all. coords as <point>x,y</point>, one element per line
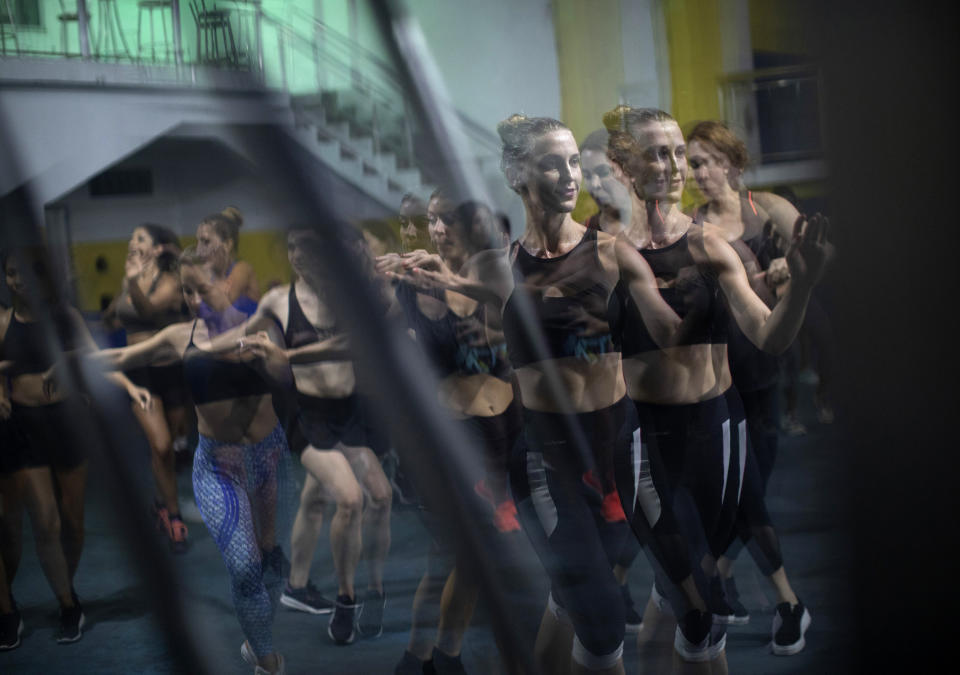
<point>563,481</point>
<point>753,525</point>
<point>689,463</point>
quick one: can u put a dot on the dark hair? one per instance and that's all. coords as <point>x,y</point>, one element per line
<point>227,227</point>
<point>166,238</point>
<point>382,231</point>
<point>719,136</point>
<point>519,134</point>
<point>621,123</point>
<point>596,141</point>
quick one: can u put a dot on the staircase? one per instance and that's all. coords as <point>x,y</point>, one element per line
<point>362,130</point>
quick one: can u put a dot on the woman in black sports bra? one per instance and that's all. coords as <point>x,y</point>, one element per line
<point>691,420</point>
<point>463,339</point>
<point>240,471</point>
<point>717,159</point>
<point>559,318</point>
<point>43,463</point>
<point>151,300</point>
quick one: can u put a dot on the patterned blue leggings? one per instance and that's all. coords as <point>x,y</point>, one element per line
<point>239,490</point>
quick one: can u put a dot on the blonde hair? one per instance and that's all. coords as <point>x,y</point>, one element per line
<point>621,123</point>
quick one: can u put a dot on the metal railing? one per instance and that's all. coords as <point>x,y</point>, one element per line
<point>778,110</point>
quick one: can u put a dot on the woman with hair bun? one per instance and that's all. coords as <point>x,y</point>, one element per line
<point>692,425</point>
<point>218,236</point>
<point>560,313</point>
<point>149,301</point>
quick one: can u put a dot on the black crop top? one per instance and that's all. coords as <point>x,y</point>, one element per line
<point>690,289</point>
<point>216,379</point>
<point>26,344</point>
<point>455,344</point>
<point>299,330</point>
<point>573,302</point>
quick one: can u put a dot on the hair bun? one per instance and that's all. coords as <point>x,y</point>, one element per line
<point>234,214</point>
<point>512,127</point>
<point>616,119</point>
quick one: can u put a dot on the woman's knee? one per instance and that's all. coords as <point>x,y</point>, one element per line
<point>350,501</point>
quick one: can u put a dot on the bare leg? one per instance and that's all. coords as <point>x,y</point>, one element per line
<point>457,605</point>
<point>425,615</point>
<point>11,526</point>
<point>551,652</point>
<point>655,641</point>
<point>42,508</point>
<point>376,516</point>
<point>782,586</point>
<point>331,469</point>
<point>307,527</point>
<point>73,486</point>
<point>154,423</point>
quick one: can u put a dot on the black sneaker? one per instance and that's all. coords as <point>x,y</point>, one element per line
<point>696,639</point>
<point>634,621</point>
<point>409,665</point>
<point>444,664</point>
<point>717,602</point>
<point>71,623</point>
<point>342,628</point>
<point>789,626</point>
<point>370,620</point>
<point>740,615</point>
<point>11,626</point>
<point>307,599</point>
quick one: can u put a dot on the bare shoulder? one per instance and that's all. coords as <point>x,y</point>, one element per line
<point>709,245</point>
<point>607,250</point>
<point>5,315</point>
<point>276,297</point>
<point>781,212</point>
<point>177,335</point>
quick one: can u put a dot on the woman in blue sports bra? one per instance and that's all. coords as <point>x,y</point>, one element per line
<point>240,469</point>
<point>217,239</point>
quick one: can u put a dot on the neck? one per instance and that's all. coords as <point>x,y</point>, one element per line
<point>547,231</point>
<point>655,224</point>
<point>727,203</point>
<point>22,308</point>
<point>149,268</point>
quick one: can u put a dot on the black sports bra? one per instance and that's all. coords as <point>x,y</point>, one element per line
<point>573,302</point>
<point>691,290</point>
<point>215,379</point>
<point>299,330</point>
<point>26,344</point>
<point>455,344</point>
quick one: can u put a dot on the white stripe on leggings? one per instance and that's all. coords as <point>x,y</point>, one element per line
<point>726,458</point>
<point>540,492</point>
<point>645,493</point>
<point>742,428</point>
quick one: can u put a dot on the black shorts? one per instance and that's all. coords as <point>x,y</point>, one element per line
<point>326,422</point>
<point>47,435</point>
<point>163,382</point>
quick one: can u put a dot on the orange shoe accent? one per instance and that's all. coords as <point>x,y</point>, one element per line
<point>612,508</point>
<point>505,517</point>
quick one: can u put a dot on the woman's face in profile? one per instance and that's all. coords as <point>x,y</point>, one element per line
<point>552,174</point>
<point>710,168</point>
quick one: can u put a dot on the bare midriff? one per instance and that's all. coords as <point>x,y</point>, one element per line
<point>678,375</point>
<point>588,385</point>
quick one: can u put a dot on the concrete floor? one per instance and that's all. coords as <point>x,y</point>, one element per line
<point>123,637</point>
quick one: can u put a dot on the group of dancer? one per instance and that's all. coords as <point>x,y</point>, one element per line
<point>615,382</point>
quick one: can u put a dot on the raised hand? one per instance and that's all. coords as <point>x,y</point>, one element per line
<point>807,255</point>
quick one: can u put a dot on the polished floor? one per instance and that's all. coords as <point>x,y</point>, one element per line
<point>123,637</point>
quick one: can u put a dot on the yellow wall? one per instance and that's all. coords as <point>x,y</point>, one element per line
<point>777,26</point>
<point>590,66</point>
<point>266,251</point>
